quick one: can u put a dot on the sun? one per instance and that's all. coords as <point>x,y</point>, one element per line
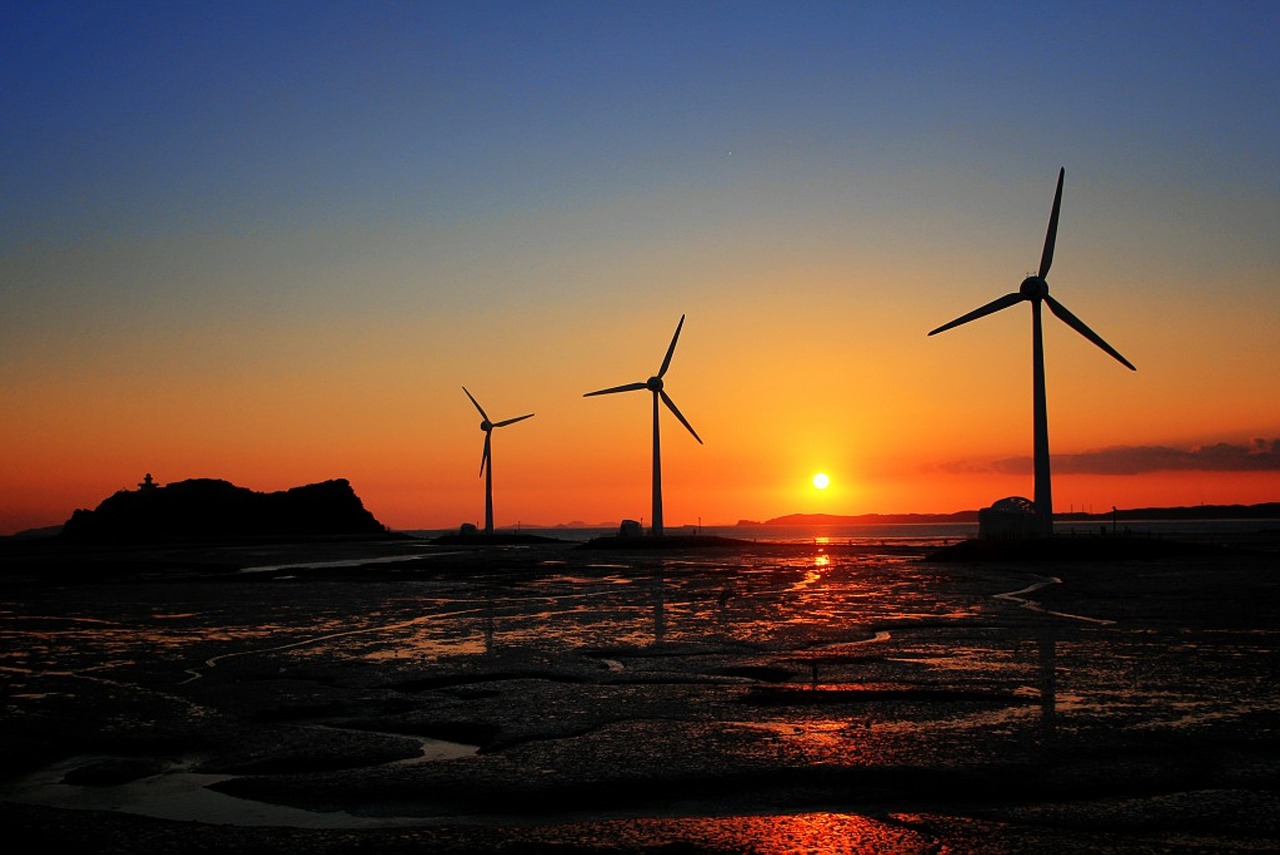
<point>821,481</point>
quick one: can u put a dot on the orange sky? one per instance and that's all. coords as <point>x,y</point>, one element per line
<point>778,390</point>
<point>274,261</point>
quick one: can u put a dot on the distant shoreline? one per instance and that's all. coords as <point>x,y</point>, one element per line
<point>1264,511</point>
<point>1268,510</point>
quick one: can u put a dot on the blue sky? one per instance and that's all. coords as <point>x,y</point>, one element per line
<point>146,117</point>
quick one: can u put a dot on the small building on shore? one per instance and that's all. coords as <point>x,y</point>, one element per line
<point>631,528</point>
<point>1011,518</point>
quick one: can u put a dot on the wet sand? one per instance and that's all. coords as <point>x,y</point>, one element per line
<point>521,698</point>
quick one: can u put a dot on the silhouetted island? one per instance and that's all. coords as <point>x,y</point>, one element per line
<point>206,509</point>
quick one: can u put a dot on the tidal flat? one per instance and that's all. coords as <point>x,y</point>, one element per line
<point>771,698</point>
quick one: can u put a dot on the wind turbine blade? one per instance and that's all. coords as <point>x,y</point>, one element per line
<point>994,306</point>
<point>477,403</point>
<point>666,361</point>
<point>506,422</point>
<point>666,399</point>
<point>1080,327</point>
<point>484,458</point>
<point>630,387</point>
<point>1051,236</point>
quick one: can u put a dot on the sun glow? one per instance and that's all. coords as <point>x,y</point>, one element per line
<point>821,481</point>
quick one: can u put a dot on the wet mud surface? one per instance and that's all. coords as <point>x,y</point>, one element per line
<point>771,699</point>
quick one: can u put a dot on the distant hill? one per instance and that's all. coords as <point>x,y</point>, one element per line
<point>1268,510</point>
<point>208,509</point>
<point>37,533</point>
<point>867,519</point>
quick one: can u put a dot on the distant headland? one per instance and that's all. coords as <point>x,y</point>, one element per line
<point>818,520</point>
<point>206,509</point>
<point>1267,510</point>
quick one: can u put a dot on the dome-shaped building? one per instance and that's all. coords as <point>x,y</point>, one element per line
<point>1011,518</point>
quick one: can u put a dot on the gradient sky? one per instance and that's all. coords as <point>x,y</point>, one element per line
<point>270,242</point>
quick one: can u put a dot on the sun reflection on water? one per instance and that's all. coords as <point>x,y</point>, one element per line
<point>835,833</point>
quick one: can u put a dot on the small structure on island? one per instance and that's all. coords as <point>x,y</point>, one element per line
<point>147,484</point>
<point>630,528</point>
<point>1011,518</point>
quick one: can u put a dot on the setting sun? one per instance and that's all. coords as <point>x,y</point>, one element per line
<point>821,481</point>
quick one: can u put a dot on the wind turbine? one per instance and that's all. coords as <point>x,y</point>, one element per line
<point>486,461</point>
<point>1035,290</point>
<point>654,385</point>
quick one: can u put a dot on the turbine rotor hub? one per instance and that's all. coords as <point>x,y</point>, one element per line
<point>486,426</point>
<point>654,384</point>
<point>1034,288</point>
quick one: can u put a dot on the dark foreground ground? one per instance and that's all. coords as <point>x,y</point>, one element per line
<point>541,698</point>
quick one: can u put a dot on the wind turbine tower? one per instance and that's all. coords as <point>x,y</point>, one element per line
<point>655,385</point>
<point>486,460</point>
<point>1035,290</point>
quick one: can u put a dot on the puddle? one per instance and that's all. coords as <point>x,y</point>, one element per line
<point>1032,605</point>
<point>180,794</point>
<point>177,795</point>
<point>350,562</point>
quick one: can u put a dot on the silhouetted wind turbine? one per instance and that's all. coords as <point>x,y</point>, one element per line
<point>654,385</point>
<point>486,461</point>
<point>1035,289</point>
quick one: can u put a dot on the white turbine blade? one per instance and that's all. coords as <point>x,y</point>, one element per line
<point>477,403</point>
<point>484,458</point>
<point>1051,236</point>
<point>666,399</point>
<point>506,422</point>
<point>666,361</point>
<point>1080,327</point>
<point>630,387</point>
<point>994,306</point>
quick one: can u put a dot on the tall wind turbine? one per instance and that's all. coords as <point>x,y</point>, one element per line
<point>654,385</point>
<point>486,461</point>
<point>1035,289</point>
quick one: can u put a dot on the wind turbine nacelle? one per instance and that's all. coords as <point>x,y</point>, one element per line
<point>1034,288</point>
<point>654,384</point>
<point>487,426</point>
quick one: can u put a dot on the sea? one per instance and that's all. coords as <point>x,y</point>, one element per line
<point>928,534</point>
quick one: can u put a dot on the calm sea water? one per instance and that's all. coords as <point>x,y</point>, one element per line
<point>926,534</point>
<point>901,534</point>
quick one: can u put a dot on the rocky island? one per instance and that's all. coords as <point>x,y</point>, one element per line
<point>204,509</point>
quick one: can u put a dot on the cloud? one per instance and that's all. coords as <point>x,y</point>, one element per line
<point>1263,455</point>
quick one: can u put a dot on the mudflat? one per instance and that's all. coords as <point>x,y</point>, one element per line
<point>404,695</point>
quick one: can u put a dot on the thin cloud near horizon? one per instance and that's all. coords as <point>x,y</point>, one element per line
<point>1262,455</point>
